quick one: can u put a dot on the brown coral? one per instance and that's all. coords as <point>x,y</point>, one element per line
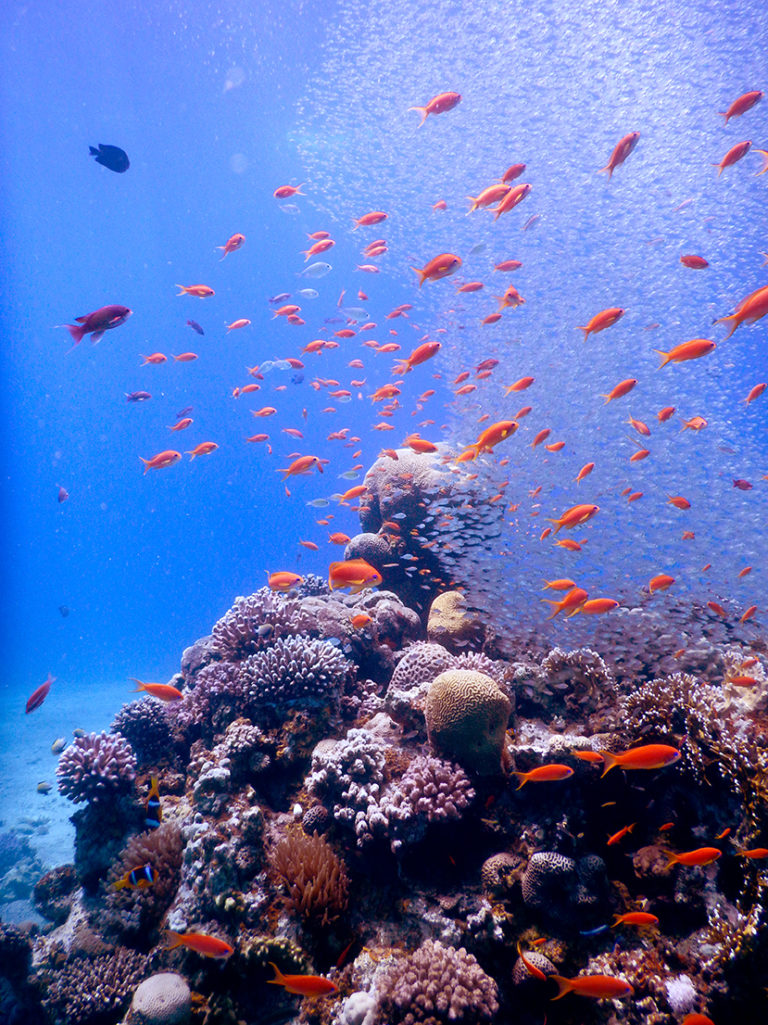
<point>467,717</point>
<point>313,875</point>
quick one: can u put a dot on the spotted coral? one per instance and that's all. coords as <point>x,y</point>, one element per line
<point>97,768</point>
<point>467,716</point>
<point>435,985</point>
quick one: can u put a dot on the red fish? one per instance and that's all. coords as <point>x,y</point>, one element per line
<point>601,987</point>
<point>438,105</point>
<point>544,774</point>
<point>694,262</point>
<point>355,574</point>
<point>635,918</point>
<point>374,217</point>
<point>303,985</point>
<point>647,756</point>
<point>38,696</point>
<point>201,943</point>
<point>750,309</point>
<point>161,460</point>
<point>438,267</point>
<point>701,856</point>
<point>621,151</point>
<point>734,154</point>
<point>98,322</point>
<point>283,580</point>
<point>695,349</point>
<point>199,291</point>
<point>203,449</point>
<point>602,320</point>
<point>163,691</point>
<point>740,106</point>
<point>232,244</point>
<point>286,191</point>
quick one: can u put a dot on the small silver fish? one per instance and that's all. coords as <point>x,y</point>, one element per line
<point>289,208</point>
<point>350,474</point>
<point>308,293</point>
<point>479,248</point>
<point>355,313</point>
<point>316,270</point>
<point>44,787</point>
<point>58,745</point>
<point>318,503</point>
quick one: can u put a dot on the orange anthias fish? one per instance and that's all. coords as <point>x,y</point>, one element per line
<point>489,195</point>
<point>660,582</point>
<point>488,440</point>
<point>513,198</point>
<point>750,309</point>
<point>647,756</point>
<point>642,918</point>
<point>301,465</point>
<point>201,291</point>
<point>203,449</point>
<point>618,837</point>
<point>741,105</point>
<point>232,243</point>
<point>438,105</point>
<point>620,153</point>
<point>200,942</point>
<point>701,856</point>
<point>544,774</point>
<point>161,460</point>
<point>572,600</point>
<point>602,320</point>
<point>438,267</point>
<point>163,691</point>
<point>575,516</point>
<point>734,154</point>
<point>419,355</point>
<point>283,580</point>
<point>355,574</point>
<point>600,987</point>
<point>303,985</point>
<point>620,390</point>
<point>595,607</point>
<point>694,349</point>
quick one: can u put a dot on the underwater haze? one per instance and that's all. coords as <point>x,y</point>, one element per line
<point>217,106</point>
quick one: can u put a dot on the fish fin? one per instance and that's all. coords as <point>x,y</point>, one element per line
<point>585,330</point>
<point>664,357</point>
<point>146,463</point>
<point>611,761</point>
<point>175,938</point>
<point>153,787</point>
<point>119,884</point>
<point>423,112</point>
<point>721,320</point>
<point>672,859</point>
<point>279,979</point>
<point>609,171</point>
<point>76,331</point>
<point>422,275</point>
<point>564,986</point>
<point>522,777</point>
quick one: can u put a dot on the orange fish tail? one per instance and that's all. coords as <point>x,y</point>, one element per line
<point>585,330</point>
<point>665,358</point>
<point>611,761</point>
<point>422,275</point>
<point>523,777</point>
<point>725,320</point>
<point>146,463</point>
<point>608,169</point>
<point>423,112</point>
<point>279,979</point>
<point>176,940</point>
<point>564,986</point>
<point>672,859</point>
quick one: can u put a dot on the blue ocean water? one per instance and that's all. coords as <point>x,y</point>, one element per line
<point>219,104</point>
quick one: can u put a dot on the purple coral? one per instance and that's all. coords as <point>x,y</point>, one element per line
<point>294,670</point>
<point>431,790</point>
<point>97,768</point>
<point>148,727</point>
<point>436,985</point>
<point>252,623</point>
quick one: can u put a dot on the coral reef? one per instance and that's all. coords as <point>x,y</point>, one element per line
<point>162,999</point>
<point>54,892</point>
<point>94,990</point>
<point>435,985</point>
<point>252,623</point>
<point>149,727</point>
<point>430,791</point>
<point>97,768</point>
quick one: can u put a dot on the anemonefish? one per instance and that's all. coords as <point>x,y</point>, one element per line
<point>137,879</point>
<point>153,810</point>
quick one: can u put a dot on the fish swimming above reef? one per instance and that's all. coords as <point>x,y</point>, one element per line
<point>97,323</point>
<point>113,157</point>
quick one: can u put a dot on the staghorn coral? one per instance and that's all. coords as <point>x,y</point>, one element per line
<point>252,623</point>
<point>294,671</point>
<point>94,990</point>
<point>348,776</point>
<point>97,768</point>
<point>467,717</point>
<point>148,726</point>
<point>314,876</point>
<point>431,790</point>
<point>134,914</point>
<point>435,985</point>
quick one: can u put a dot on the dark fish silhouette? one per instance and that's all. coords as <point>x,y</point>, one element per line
<point>137,396</point>
<point>196,327</point>
<point>64,610</point>
<point>113,157</point>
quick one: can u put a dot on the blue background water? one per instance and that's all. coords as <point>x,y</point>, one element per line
<point>217,105</point>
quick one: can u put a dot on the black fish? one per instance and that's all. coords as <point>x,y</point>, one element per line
<point>113,157</point>
<point>196,327</point>
<point>137,396</point>
<point>64,610</point>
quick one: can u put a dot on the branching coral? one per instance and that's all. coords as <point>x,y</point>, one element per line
<point>97,768</point>
<point>314,876</point>
<point>294,670</point>
<point>94,990</point>
<point>252,623</point>
<point>348,776</point>
<point>431,790</point>
<point>436,985</point>
<point>147,725</point>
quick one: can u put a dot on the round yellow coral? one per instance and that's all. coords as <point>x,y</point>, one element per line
<point>467,716</point>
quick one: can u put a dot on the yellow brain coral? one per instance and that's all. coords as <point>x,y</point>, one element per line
<point>467,716</point>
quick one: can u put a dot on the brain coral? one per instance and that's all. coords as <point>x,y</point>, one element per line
<point>435,985</point>
<point>406,694</point>
<point>97,768</point>
<point>467,716</point>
